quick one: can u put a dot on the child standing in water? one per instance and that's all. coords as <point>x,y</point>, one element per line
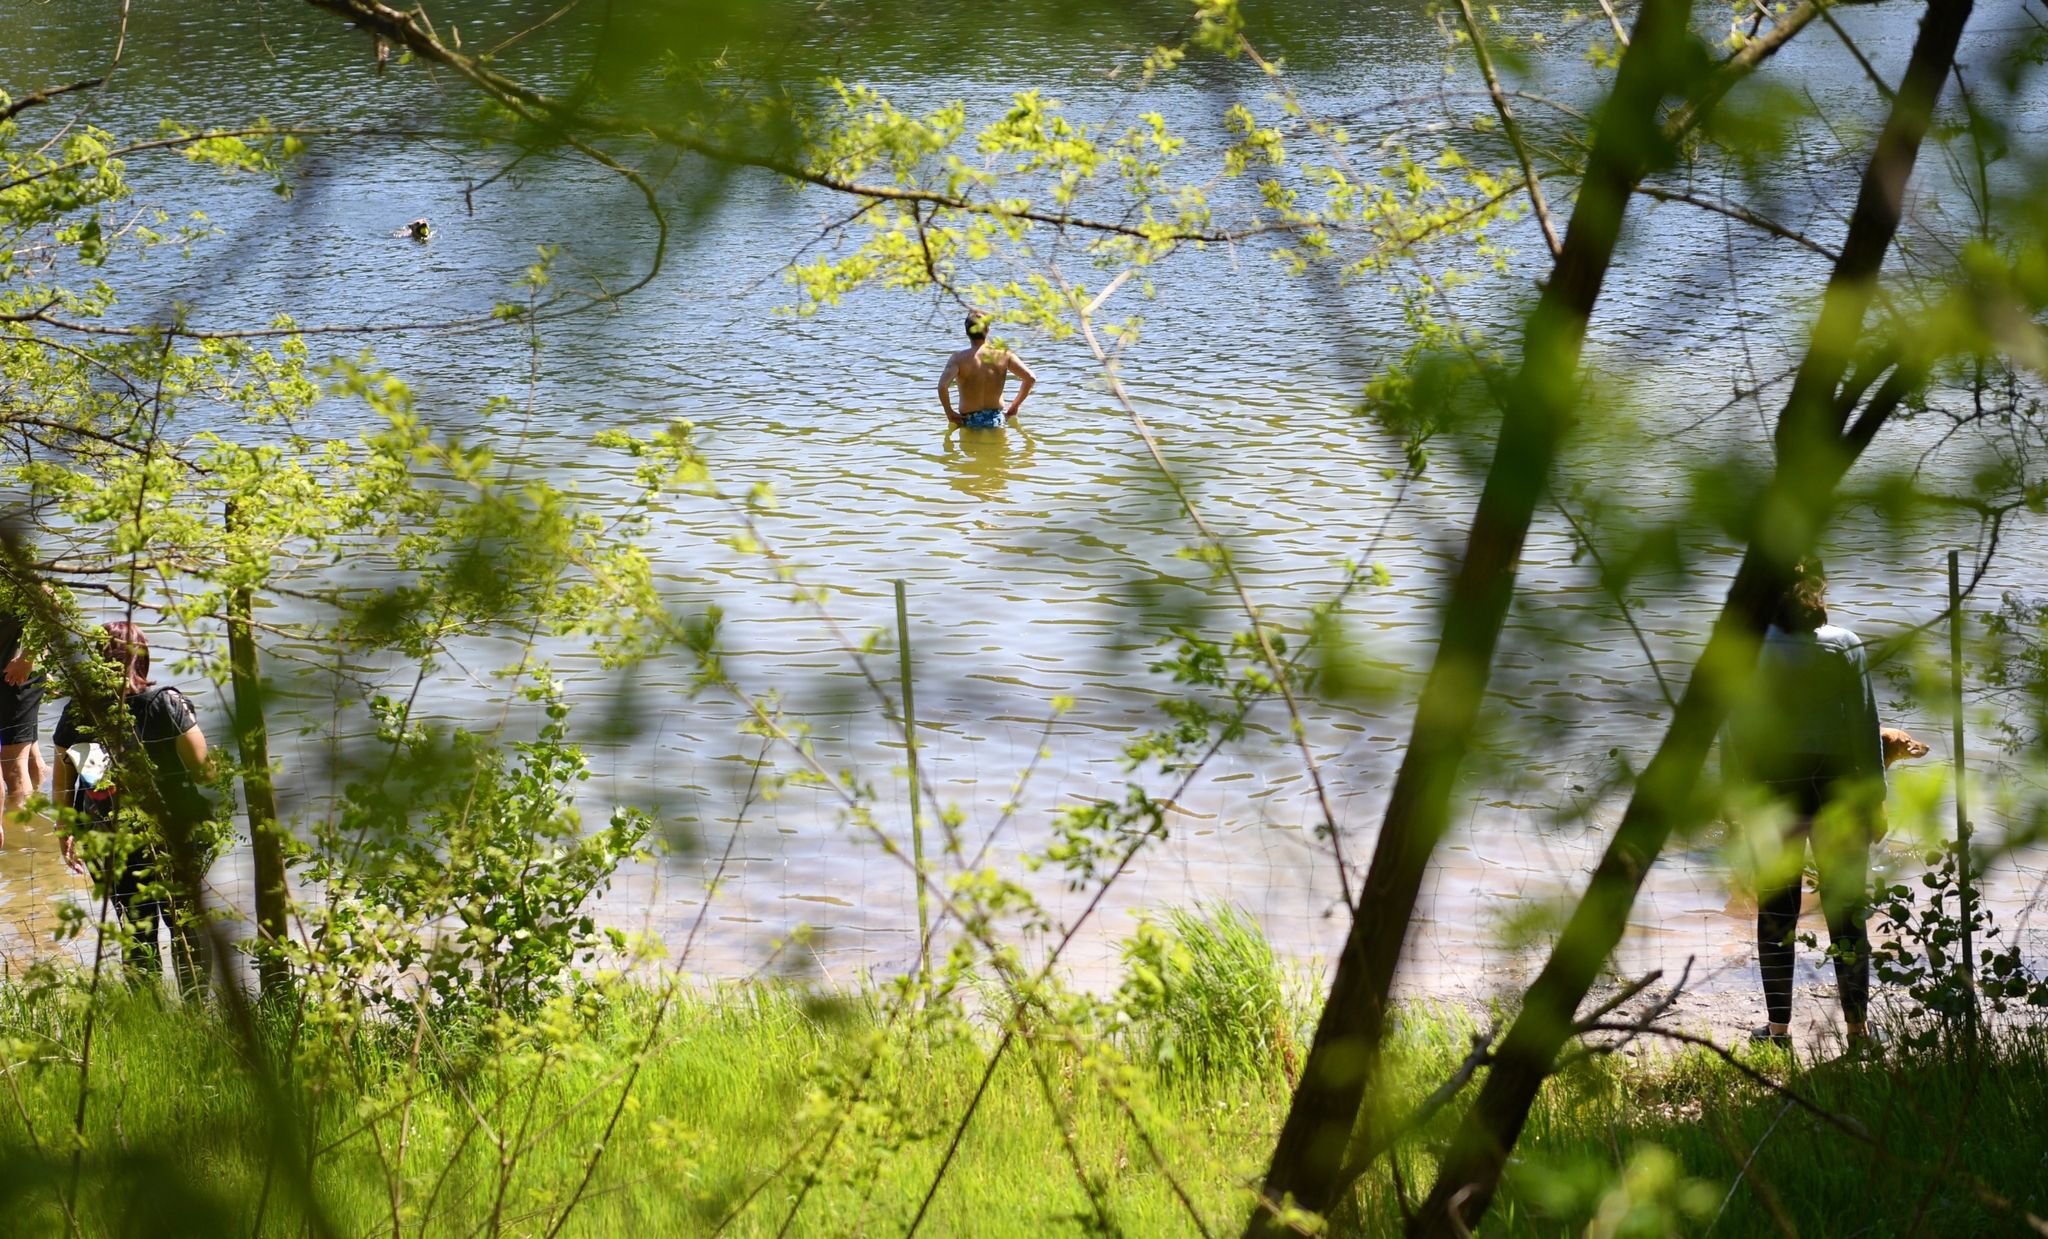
<point>981,370</point>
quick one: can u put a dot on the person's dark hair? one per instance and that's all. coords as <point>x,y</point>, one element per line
<point>126,647</point>
<point>977,327</point>
<point>1802,607</point>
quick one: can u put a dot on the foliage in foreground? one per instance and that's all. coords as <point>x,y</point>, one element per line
<point>445,1123</point>
<point>766,1110</point>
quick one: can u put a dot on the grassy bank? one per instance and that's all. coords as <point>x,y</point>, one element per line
<point>755,1106</point>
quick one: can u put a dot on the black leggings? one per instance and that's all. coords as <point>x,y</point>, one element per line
<point>142,913</point>
<point>1841,852</point>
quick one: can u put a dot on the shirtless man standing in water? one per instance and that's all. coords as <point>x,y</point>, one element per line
<point>981,371</point>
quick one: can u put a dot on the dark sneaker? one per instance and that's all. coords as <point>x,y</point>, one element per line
<point>1762,1035</point>
<point>1863,1045</point>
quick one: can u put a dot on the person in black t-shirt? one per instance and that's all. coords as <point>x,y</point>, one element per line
<point>21,706</point>
<point>168,731</point>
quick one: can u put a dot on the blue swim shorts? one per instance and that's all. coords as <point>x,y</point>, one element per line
<point>983,418</point>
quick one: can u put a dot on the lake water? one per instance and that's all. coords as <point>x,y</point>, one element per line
<point>1039,560</point>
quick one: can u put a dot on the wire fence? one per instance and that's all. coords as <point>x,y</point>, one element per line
<point>764,878</point>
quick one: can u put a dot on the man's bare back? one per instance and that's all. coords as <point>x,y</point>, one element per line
<point>982,370</point>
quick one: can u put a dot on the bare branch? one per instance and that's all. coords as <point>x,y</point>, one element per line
<point>1620,35</point>
<point>44,96</point>
<point>1512,130</point>
<point>1741,213</point>
<point>1884,88</point>
<point>1614,591</point>
<point>1372,1149</point>
<point>1683,119</point>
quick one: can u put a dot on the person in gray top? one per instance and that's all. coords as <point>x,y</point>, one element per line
<point>1808,735</point>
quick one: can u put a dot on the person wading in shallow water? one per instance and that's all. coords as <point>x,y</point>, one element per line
<point>1808,735</point>
<point>21,703</point>
<point>168,731</point>
<point>982,369</point>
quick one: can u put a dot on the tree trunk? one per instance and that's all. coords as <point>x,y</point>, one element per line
<point>1813,455</point>
<point>252,740</point>
<point>1537,408</point>
<point>109,718</point>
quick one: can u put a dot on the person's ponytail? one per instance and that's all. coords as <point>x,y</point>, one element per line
<point>1803,607</point>
<point>128,649</point>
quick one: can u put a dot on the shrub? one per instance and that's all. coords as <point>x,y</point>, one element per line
<point>1203,993</point>
<point>467,870</point>
<point>1919,949</point>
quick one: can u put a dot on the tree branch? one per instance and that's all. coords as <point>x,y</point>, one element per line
<point>1738,66</point>
<point>1743,214</point>
<point>44,96</point>
<point>1813,456</point>
<point>1511,129</point>
<point>532,105</point>
<point>1537,407</point>
<point>1884,88</point>
<point>1620,35</point>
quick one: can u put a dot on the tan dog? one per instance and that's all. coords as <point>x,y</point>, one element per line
<point>1899,746</point>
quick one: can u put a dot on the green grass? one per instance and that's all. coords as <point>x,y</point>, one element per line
<point>745,1087</point>
<point>1206,995</point>
<point>1975,1117</point>
<point>739,1082</point>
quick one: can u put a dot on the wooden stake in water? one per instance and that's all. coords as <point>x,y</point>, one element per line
<point>1964,894</point>
<point>924,933</point>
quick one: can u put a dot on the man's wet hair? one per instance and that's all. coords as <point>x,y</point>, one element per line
<point>977,326</point>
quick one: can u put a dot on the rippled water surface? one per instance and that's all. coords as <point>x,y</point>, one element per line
<point>1039,560</point>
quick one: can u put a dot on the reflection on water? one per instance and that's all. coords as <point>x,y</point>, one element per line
<point>1040,561</point>
<point>33,885</point>
<point>981,460</point>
